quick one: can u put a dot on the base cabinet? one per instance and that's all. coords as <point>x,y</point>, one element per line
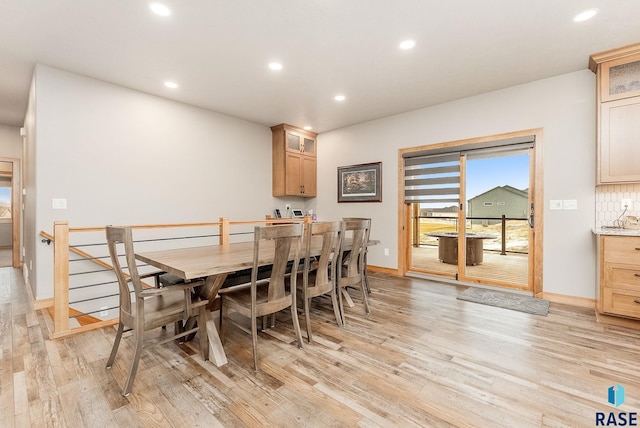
<point>619,262</point>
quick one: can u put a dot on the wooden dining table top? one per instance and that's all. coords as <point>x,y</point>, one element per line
<point>198,262</point>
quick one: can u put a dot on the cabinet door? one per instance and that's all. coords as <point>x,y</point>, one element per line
<point>308,174</point>
<point>309,146</point>
<point>619,141</point>
<point>620,78</point>
<point>294,142</point>
<point>293,167</point>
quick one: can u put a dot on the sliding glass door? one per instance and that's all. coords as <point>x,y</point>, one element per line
<point>496,217</point>
<point>470,213</point>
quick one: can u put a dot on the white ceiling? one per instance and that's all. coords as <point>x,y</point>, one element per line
<point>218,51</point>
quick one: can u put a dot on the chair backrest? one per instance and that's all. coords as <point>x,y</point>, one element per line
<point>325,272</point>
<point>356,230</point>
<point>122,237</point>
<point>286,241</point>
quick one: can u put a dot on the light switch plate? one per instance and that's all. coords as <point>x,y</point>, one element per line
<point>570,204</point>
<point>555,204</point>
<point>59,204</point>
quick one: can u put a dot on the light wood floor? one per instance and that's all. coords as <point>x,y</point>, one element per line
<point>421,358</point>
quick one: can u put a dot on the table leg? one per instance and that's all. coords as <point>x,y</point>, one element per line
<point>348,298</point>
<point>209,291</point>
<point>216,351</point>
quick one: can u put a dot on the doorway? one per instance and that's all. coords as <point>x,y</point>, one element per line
<point>10,212</point>
<point>468,211</point>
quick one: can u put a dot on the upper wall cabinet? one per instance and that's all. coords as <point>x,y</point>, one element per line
<point>293,161</point>
<point>618,109</point>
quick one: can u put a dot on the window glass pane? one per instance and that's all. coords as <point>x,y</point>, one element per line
<point>5,202</point>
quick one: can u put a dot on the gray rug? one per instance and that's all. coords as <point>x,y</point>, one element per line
<point>516,302</point>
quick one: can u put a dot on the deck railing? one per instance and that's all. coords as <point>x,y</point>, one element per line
<point>421,227</point>
<point>85,290</point>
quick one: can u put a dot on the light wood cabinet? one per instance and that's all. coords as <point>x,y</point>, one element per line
<point>618,110</point>
<point>294,161</point>
<point>619,267</point>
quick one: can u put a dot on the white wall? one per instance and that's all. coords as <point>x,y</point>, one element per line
<point>10,142</point>
<point>123,157</point>
<point>564,106</point>
<point>120,156</point>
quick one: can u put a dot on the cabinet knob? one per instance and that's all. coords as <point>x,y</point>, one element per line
<point>636,301</point>
<point>637,274</point>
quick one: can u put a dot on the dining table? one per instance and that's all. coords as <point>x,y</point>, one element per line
<point>215,263</point>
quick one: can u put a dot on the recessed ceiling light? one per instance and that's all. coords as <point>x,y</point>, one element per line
<point>307,128</point>
<point>339,98</point>
<point>586,15</point>
<point>407,44</point>
<point>275,66</point>
<point>172,85</point>
<point>159,9</point>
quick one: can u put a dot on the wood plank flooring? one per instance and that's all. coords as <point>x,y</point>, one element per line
<point>421,358</point>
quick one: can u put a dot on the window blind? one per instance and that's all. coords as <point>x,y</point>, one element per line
<point>432,179</point>
<point>433,175</point>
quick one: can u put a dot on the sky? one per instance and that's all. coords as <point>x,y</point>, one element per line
<point>485,174</point>
<point>5,195</point>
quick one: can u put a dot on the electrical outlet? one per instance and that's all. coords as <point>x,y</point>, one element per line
<point>104,311</point>
<point>626,203</point>
<point>386,251</point>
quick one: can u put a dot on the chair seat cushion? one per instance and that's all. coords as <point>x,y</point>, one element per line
<point>159,309</point>
<point>167,280</point>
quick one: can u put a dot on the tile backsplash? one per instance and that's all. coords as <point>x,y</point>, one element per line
<point>609,207</point>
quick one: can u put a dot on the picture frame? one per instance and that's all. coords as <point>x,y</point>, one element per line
<point>360,183</point>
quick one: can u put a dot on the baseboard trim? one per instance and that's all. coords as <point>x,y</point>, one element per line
<point>582,302</point>
<point>617,321</point>
<point>43,304</point>
<point>380,269</point>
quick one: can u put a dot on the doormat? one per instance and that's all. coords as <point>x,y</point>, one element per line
<point>516,302</point>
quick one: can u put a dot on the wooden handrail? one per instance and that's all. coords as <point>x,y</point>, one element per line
<point>60,239</point>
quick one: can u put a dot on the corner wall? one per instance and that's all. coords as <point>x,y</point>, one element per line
<point>119,156</point>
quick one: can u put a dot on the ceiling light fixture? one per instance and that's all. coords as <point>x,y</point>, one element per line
<point>275,66</point>
<point>339,98</point>
<point>586,15</point>
<point>407,44</point>
<point>159,9</point>
<point>172,85</point>
<point>307,128</point>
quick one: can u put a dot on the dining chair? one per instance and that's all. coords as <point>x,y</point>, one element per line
<point>145,308</point>
<point>276,245</point>
<point>352,269</point>
<point>319,272</point>
<point>366,250</point>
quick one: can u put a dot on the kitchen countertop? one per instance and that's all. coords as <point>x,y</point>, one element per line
<point>615,231</point>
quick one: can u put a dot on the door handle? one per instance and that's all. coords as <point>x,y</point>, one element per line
<point>531,217</point>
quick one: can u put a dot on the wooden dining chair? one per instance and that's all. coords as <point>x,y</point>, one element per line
<point>366,250</point>
<point>352,272</point>
<point>276,245</point>
<point>145,308</point>
<point>319,272</point>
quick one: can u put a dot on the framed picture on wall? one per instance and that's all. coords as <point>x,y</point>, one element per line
<point>360,183</point>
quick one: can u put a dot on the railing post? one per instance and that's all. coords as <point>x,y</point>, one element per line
<point>225,230</point>
<point>504,236</point>
<point>60,277</point>
<point>416,225</point>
